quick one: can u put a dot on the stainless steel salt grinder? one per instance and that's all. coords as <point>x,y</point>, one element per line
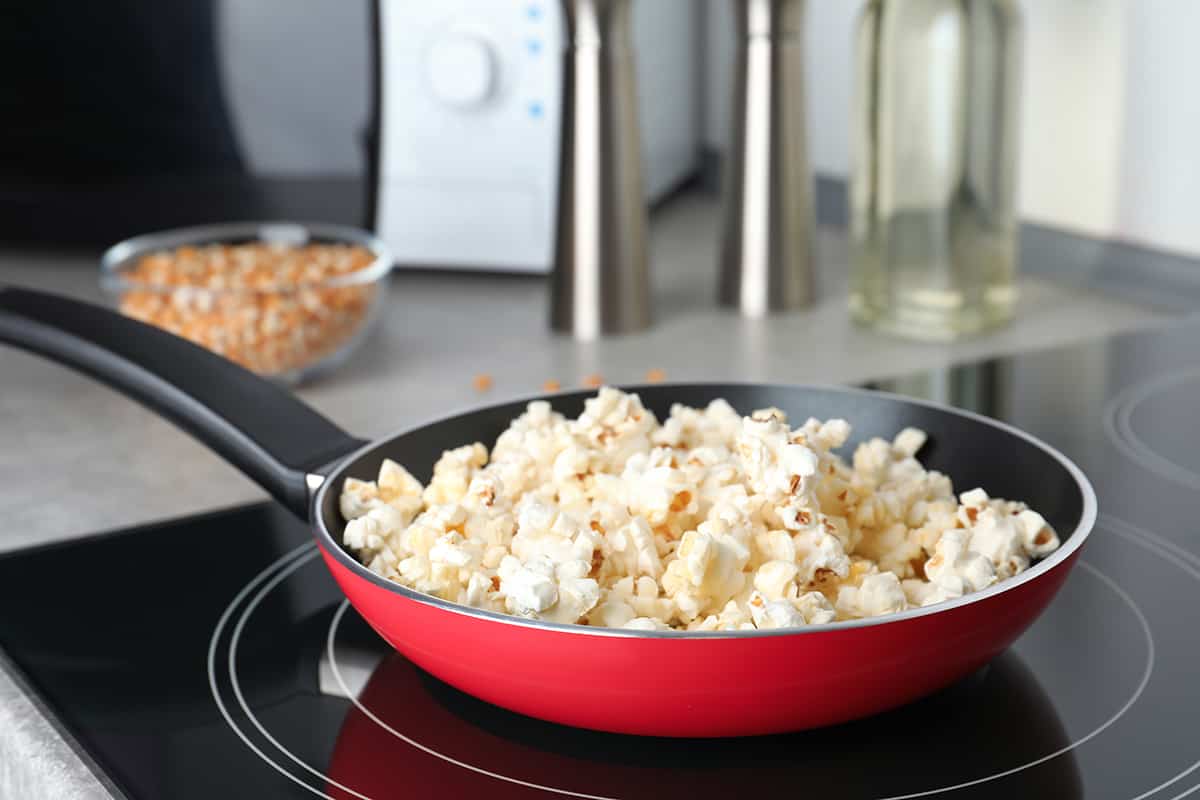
<point>600,283</point>
<point>766,258</point>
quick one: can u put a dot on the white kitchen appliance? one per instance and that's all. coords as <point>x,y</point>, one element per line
<point>469,113</point>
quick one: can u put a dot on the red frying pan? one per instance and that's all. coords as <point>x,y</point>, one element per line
<point>652,683</point>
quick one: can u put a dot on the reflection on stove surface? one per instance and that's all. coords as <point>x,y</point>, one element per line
<point>986,724</point>
<point>985,388</point>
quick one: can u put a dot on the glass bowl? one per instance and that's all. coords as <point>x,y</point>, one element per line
<point>286,300</point>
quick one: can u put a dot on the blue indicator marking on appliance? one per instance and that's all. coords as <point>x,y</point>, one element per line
<point>534,46</point>
<point>536,110</point>
<point>533,11</point>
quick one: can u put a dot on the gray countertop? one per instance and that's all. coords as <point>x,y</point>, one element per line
<point>77,458</point>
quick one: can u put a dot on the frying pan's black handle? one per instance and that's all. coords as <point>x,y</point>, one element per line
<point>262,429</point>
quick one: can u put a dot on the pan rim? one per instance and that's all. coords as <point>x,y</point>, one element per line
<point>1070,546</point>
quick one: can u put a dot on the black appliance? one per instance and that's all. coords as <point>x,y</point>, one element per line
<point>126,116</point>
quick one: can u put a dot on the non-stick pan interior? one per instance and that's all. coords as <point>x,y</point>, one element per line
<point>972,451</point>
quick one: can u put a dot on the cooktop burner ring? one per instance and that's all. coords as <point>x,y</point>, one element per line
<point>1118,426</point>
<point>1190,564</point>
<point>278,568</point>
<point>273,575</point>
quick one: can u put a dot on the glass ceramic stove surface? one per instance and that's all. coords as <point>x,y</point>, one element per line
<point>213,657</point>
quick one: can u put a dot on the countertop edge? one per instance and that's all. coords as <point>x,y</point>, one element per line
<point>36,758</point>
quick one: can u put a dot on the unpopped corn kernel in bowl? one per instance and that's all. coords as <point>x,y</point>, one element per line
<point>705,521</point>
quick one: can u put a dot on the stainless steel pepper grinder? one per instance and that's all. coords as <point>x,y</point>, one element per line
<point>600,282</point>
<point>766,259</point>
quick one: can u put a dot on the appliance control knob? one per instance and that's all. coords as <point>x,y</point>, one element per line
<point>461,68</point>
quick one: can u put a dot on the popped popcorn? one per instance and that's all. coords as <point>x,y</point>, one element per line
<point>709,521</point>
<point>879,593</point>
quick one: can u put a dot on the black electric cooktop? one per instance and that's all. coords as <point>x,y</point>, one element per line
<point>213,657</point>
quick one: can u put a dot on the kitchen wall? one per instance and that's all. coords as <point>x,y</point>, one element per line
<point>1110,117</point>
